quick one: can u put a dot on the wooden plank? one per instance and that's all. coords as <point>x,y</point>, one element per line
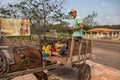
<point>83,51</point>
<point>4,47</point>
<point>28,71</point>
<point>26,77</point>
<point>79,52</point>
<point>56,59</point>
<point>71,50</point>
<point>90,43</point>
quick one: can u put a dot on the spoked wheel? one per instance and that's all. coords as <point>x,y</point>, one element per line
<point>84,72</point>
<point>3,64</point>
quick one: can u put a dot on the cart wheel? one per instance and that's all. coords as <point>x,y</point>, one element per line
<point>84,72</point>
<point>3,65</point>
<point>41,75</point>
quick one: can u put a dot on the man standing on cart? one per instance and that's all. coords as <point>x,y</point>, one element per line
<point>77,28</point>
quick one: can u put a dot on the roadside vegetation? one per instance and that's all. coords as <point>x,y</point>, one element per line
<point>44,14</point>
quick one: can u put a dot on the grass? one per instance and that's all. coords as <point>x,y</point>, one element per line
<point>35,37</point>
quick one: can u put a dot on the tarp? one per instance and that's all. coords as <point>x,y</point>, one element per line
<point>14,27</point>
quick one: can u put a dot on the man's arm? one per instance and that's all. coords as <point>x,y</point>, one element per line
<point>80,26</point>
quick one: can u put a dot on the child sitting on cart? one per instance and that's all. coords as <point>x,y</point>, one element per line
<point>49,49</point>
<point>61,48</point>
<point>46,50</point>
<point>53,50</point>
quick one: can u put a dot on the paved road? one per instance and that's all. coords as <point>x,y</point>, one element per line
<point>113,46</point>
<point>107,53</point>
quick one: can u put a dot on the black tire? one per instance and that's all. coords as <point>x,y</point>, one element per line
<point>84,72</point>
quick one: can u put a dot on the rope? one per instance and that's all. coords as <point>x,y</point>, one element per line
<point>21,62</point>
<point>33,59</point>
<point>23,59</point>
<point>5,76</point>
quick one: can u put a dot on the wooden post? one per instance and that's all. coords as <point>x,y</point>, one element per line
<point>86,49</point>
<point>71,50</point>
<point>80,46</point>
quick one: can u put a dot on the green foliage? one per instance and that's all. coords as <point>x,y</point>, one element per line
<point>58,27</point>
<point>90,20</point>
<point>19,37</point>
<point>108,26</point>
<point>39,12</point>
<point>86,27</point>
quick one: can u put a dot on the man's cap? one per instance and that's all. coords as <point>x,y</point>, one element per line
<point>72,10</point>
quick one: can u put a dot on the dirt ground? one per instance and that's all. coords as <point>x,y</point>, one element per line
<point>63,73</point>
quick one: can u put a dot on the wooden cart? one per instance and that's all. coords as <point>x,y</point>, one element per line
<point>79,50</point>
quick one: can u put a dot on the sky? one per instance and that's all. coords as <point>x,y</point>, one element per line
<point>108,11</point>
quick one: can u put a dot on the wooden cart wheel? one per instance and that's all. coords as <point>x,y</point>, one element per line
<point>3,65</point>
<point>84,72</point>
<point>41,75</point>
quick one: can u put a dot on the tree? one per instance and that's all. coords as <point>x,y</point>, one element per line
<point>39,12</point>
<point>4,12</point>
<point>90,20</point>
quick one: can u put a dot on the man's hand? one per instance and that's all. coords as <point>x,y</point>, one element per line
<point>70,29</point>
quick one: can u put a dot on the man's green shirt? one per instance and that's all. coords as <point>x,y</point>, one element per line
<point>77,33</point>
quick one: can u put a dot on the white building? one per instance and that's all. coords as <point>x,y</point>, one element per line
<point>102,33</point>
